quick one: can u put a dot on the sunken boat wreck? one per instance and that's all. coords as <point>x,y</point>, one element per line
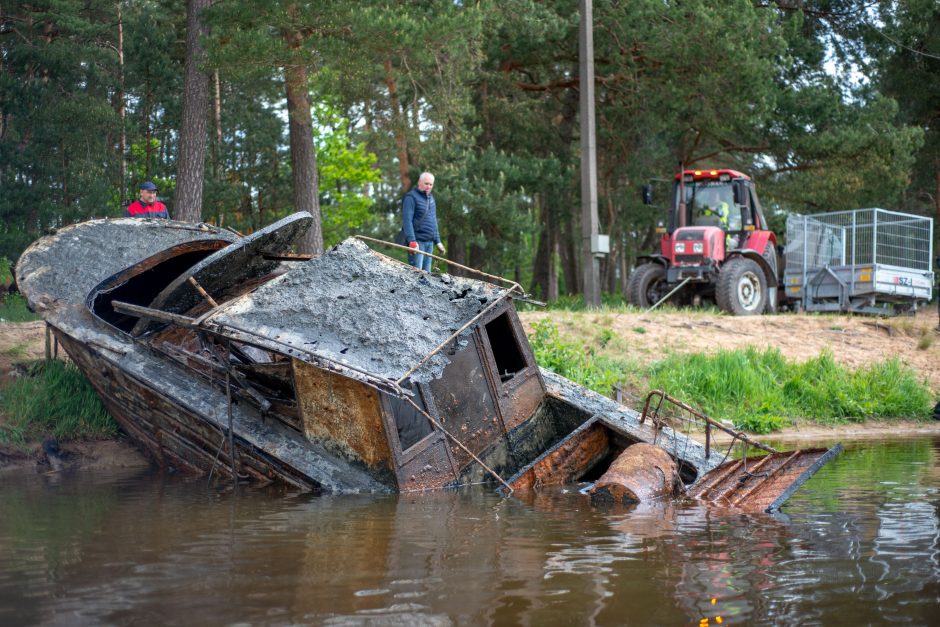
<point>353,372</point>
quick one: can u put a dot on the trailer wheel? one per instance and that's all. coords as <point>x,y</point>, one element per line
<point>647,285</point>
<point>770,256</point>
<point>741,288</point>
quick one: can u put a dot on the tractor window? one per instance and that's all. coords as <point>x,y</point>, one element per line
<point>712,204</point>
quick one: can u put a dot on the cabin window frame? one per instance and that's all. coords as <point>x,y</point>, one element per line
<point>489,355</point>
<point>405,455</point>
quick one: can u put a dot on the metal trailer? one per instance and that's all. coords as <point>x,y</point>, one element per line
<point>862,261</point>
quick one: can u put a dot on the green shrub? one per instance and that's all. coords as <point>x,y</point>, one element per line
<point>55,399</point>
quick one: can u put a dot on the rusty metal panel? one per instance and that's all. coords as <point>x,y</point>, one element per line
<point>567,461</point>
<point>428,470</point>
<point>521,397</point>
<point>169,434</point>
<point>761,484</point>
<point>345,416</point>
<point>465,405</point>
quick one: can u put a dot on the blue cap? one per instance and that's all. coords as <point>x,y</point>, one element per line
<point>147,185</point>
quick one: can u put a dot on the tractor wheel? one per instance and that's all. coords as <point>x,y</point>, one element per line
<point>742,287</point>
<point>647,285</point>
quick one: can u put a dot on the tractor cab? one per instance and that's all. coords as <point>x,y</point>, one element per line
<point>722,198</point>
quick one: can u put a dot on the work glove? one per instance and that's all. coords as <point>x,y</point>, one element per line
<point>413,245</point>
<point>441,248</point>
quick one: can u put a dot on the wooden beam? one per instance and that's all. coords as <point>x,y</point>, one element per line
<point>152,314</point>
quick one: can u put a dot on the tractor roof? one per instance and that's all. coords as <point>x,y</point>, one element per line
<point>713,174</point>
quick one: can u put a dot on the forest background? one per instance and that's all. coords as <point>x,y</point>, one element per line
<point>245,111</point>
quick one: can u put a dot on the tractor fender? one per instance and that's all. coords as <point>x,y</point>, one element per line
<point>653,258</point>
<point>769,273</point>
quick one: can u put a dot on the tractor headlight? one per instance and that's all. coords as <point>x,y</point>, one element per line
<point>698,247</point>
<point>680,247</point>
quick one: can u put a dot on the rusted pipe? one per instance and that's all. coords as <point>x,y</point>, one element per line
<point>709,422</point>
<point>642,473</point>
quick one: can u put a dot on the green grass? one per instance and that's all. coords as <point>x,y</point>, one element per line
<point>565,358</point>
<point>13,309</point>
<point>759,391</point>
<point>17,351</point>
<point>55,399</point>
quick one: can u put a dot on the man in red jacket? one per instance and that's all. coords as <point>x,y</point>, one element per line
<point>147,206</point>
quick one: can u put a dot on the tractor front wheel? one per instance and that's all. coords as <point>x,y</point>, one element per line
<point>647,285</point>
<point>741,288</point>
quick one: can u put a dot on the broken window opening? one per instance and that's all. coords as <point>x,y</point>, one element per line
<point>148,279</point>
<point>412,425</point>
<point>509,358</point>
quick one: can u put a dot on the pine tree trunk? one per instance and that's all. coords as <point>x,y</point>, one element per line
<point>122,109</point>
<point>401,143</point>
<point>192,152</point>
<point>303,156</point>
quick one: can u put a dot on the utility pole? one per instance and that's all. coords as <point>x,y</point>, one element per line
<point>591,243</point>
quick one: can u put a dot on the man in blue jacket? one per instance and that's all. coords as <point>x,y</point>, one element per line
<point>419,214</point>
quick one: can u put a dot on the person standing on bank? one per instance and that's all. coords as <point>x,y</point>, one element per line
<point>419,214</point>
<point>147,206</point>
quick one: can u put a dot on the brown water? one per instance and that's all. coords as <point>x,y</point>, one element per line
<point>857,545</point>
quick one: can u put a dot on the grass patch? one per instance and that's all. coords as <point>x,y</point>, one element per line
<point>581,365</point>
<point>13,309</point>
<point>925,341</point>
<point>56,399</point>
<point>758,390</point>
<point>17,351</point>
<point>761,391</point>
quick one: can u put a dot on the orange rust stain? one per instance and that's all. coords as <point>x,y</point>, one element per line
<point>568,461</point>
<point>342,413</point>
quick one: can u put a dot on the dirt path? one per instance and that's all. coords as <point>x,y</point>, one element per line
<point>853,340</point>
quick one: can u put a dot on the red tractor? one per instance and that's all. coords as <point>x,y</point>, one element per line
<point>717,246</point>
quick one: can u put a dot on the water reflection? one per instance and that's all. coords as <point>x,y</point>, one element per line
<point>857,545</point>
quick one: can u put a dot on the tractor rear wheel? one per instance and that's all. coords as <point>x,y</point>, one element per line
<point>647,285</point>
<point>741,288</point>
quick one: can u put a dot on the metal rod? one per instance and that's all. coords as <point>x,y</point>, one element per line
<point>287,257</point>
<point>202,292</point>
<point>708,421</point>
<point>513,284</point>
<point>460,444</point>
<point>664,298</point>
